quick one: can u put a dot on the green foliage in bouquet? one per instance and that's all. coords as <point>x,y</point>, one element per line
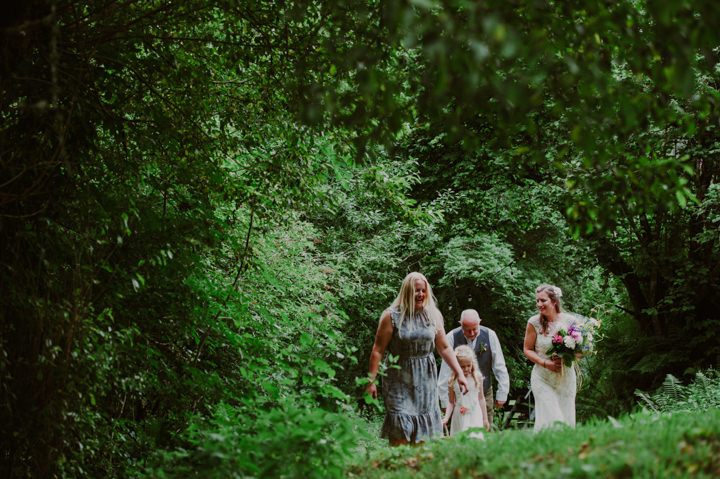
<point>577,340</point>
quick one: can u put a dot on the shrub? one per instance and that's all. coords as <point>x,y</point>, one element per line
<point>284,441</point>
<point>701,394</point>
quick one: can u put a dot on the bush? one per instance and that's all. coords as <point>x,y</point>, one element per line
<point>283,441</point>
<point>700,395</point>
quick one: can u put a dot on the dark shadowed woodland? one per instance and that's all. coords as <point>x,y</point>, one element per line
<point>206,206</point>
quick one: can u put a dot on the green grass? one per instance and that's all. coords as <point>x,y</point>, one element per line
<point>680,444</point>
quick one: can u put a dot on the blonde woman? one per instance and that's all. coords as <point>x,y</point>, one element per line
<point>409,329</point>
<point>470,410</point>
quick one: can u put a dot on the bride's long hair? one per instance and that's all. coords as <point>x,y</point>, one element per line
<point>405,301</point>
<point>554,293</point>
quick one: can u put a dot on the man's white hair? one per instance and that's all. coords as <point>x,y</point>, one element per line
<point>469,314</point>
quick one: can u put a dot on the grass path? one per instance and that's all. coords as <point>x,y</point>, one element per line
<point>644,445</point>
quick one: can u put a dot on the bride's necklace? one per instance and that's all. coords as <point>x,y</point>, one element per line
<point>550,323</point>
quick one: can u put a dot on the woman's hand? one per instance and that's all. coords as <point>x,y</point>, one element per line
<point>445,420</point>
<point>371,389</point>
<point>487,426</point>
<point>446,352</point>
<point>554,364</point>
<point>462,383</point>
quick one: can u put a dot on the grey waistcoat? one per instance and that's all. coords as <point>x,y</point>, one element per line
<point>484,357</point>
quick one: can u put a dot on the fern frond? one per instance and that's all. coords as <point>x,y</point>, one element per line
<point>702,380</point>
<point>672,388</point>
<point>701,394</point>
<point>647,400</point>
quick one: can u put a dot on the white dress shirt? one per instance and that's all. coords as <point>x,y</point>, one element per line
<point>498,368</point>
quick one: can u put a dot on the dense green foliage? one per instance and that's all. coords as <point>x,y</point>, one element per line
<point>205,206</point>
<point>700,395</point>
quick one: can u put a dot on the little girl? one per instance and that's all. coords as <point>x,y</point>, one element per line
<point>472,411</point>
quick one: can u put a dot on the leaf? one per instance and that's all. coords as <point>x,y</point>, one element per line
<point>681,198</point>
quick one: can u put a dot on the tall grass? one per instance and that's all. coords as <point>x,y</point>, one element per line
<point>679,439</point>
<point>642,445</point>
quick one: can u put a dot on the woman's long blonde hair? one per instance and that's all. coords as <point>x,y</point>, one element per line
<point>465,352</point>
<point>405,300</point>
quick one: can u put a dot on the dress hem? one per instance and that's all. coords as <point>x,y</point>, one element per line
<point>412,428</point>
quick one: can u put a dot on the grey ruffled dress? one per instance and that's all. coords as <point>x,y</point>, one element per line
<point>411,400</point>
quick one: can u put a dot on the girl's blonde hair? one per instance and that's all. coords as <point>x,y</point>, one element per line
<point>405,300</point>
<point>464,352</point>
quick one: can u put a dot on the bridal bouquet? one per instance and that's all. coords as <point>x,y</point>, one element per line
<point>578,339</point>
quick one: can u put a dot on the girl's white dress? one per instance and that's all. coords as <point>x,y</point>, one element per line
<point>554,392</point>
<point>473,417</point>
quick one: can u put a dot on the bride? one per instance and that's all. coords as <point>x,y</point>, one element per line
<point>553,385</point>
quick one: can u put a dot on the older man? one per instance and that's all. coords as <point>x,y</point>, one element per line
<point>490,358</point>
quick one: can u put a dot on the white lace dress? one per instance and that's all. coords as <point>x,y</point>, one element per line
<point>473,417</point>
<point>554,392</point>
